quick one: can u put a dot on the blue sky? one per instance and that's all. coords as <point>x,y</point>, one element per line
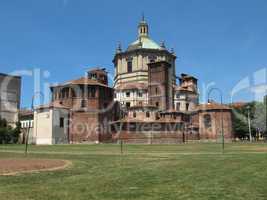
<point>219,42</point>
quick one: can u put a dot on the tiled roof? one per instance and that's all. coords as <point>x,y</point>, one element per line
<point>82,81</point>
<point>25,112</point>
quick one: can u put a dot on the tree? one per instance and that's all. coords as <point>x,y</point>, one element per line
<point>258,112</point>
<point>8,134</point>
<point>240,120</point>
<point>259,121</point>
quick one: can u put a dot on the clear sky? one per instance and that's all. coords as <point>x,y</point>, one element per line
<point>220,42</point>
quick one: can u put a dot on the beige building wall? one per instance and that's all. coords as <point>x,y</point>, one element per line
<point>139,67</point>
<point>47,126</point>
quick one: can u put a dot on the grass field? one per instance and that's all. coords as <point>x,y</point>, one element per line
<point>190,171</point>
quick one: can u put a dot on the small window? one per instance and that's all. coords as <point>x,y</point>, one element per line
<point>61,122</point>
<point>134,114</point>
<point>93,76</point>
<point>140,94</point>
<point>128,94</point>
<point>178,105</point>
<point>128,104</point>
<point>207,121</point>
<point>147,114</point>
<point>152,59</point>
<point>93,91</point>
<point>157,104</point>
<point>129,66</point>
<point>156,90</point>
<point>187,106</point>
<point>83,103</point>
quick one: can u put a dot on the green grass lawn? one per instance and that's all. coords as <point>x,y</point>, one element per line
<point>190,171</point>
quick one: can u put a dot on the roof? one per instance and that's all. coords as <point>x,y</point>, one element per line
<point>98,69</point>
<point>212,106</point>
<point>51,105</point>
<point>25,112</point>
<point>10,75</point>
<point>128,86</point>
<point>82,81</point>
<point>186,89</point>
<point>133,120</point>
<point>144,43</point>
<point>187,76</point>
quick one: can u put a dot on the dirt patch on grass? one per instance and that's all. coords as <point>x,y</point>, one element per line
<point>16,166</point>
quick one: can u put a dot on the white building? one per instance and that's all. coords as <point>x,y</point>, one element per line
<point>51,125</point>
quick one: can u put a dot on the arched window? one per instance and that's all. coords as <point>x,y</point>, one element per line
<point>207,120</point>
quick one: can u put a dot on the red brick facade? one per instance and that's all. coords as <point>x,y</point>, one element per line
<point>91,106</point>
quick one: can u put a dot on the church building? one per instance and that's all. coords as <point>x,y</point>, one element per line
<point>144,105</point>
<point>157,110</point>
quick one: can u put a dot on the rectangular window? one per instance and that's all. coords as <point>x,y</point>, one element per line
<point>140,94</point>
<point>61,122</point>
<point>178,106</point>
<point>128,104</point>
<point>83,103</point>
<point>129,66</point>
<point>93,91</point>
<point>187,106</point>
<point>128,94</point>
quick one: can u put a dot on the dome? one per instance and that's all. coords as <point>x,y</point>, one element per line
<point>144,43</point>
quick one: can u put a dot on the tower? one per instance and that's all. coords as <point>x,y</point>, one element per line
<point>160,88</point>
<point>131,67</point>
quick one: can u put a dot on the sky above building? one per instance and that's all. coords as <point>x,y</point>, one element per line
<point>222,43</point>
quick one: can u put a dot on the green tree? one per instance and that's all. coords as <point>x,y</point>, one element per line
<point>240,120</point>
<point>8,134</point>
<point>259,120</point>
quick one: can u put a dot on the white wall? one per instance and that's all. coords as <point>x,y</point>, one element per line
<point>47,128</point>
<point>43,126</point>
